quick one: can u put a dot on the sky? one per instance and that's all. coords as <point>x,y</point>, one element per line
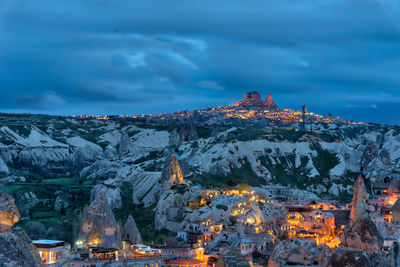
<point>155,56</point>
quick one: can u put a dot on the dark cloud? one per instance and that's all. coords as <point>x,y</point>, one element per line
<point>156,56</point>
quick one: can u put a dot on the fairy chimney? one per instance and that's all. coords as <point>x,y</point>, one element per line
<point>99,227</point>
<point>360,197</point>
<point>131,232</point>
<point>171,173</point>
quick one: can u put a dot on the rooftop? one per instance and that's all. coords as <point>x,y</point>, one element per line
<point>186,261</point>
<point>47,242</point>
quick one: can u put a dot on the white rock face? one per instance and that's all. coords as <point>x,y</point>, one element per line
<point>3,167</point>
<point>336,189</point>
<point>146,187</point>
<point>111,189</point>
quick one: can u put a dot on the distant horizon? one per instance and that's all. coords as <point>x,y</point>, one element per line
<point>189,110</point>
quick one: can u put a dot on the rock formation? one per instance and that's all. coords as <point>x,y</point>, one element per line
<point>16,248</point>
<point>99,227</point>
<point>171,173</point>
<point>299,252</point>
<point>125,145</point>
<point>396,212</point>
<point>357,258</point>
<point>393,191</point>
<point>131,232</point>
<point>187,132</point>
<point>370,153</point>
<point>362,235</point>
<point>252,98</point>
<point>269,102</point>
<point>9,213</point>
<point>360,196</point>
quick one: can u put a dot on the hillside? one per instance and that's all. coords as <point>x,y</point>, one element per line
<point>54,166</point>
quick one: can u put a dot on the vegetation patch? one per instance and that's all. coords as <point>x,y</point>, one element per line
<point>324,161</point>
<point>241,175</point>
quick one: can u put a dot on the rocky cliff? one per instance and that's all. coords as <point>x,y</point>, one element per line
<point>16,248</point>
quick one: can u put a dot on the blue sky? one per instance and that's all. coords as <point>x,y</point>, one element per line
<point>155,56</point>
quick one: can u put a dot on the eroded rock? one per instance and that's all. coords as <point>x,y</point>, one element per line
<point>99,227</point>
<point>363,235</point>
<point>9,213</point>
<point>171,173</point>
<point>297,251</point>
<point>131,232</point>
<point>360,197</point>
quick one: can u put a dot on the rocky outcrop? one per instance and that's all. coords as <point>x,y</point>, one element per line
<point>16,249</point>
<point>396,212</point>
<point>3,167</point>
<point>101,169</point>
<point>171,173</point>
<point>269,102</point>
<point>360,196</point>
<point>9,213</point>
<point>370,153</point>
<point>363,235</point>
<point>111,189</point>
<point>356,258</point>
<point>300,252</point>
<point>167,211</point>
<point>188,132</point>
<point>252,98</point>
<point>98,226</point>
<point>131,232</point>
<point>125,145</point>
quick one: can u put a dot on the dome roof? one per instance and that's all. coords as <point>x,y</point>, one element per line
<point>394,187</point>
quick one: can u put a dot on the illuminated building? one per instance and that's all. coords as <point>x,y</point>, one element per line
<point>53,252</point>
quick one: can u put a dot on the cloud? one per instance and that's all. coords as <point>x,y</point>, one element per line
<point>42,101</point>
<point>140,56</point>
<point>172,57</point>
<point>192,43</point>
<point>131,60</point>
<point>211,85</point>
<point>374,106</point>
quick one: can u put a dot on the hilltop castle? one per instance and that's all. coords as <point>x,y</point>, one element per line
<point>253,98</point>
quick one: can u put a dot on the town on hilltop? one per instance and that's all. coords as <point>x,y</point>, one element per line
<point>248,184</point>
<point>251,109</point>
